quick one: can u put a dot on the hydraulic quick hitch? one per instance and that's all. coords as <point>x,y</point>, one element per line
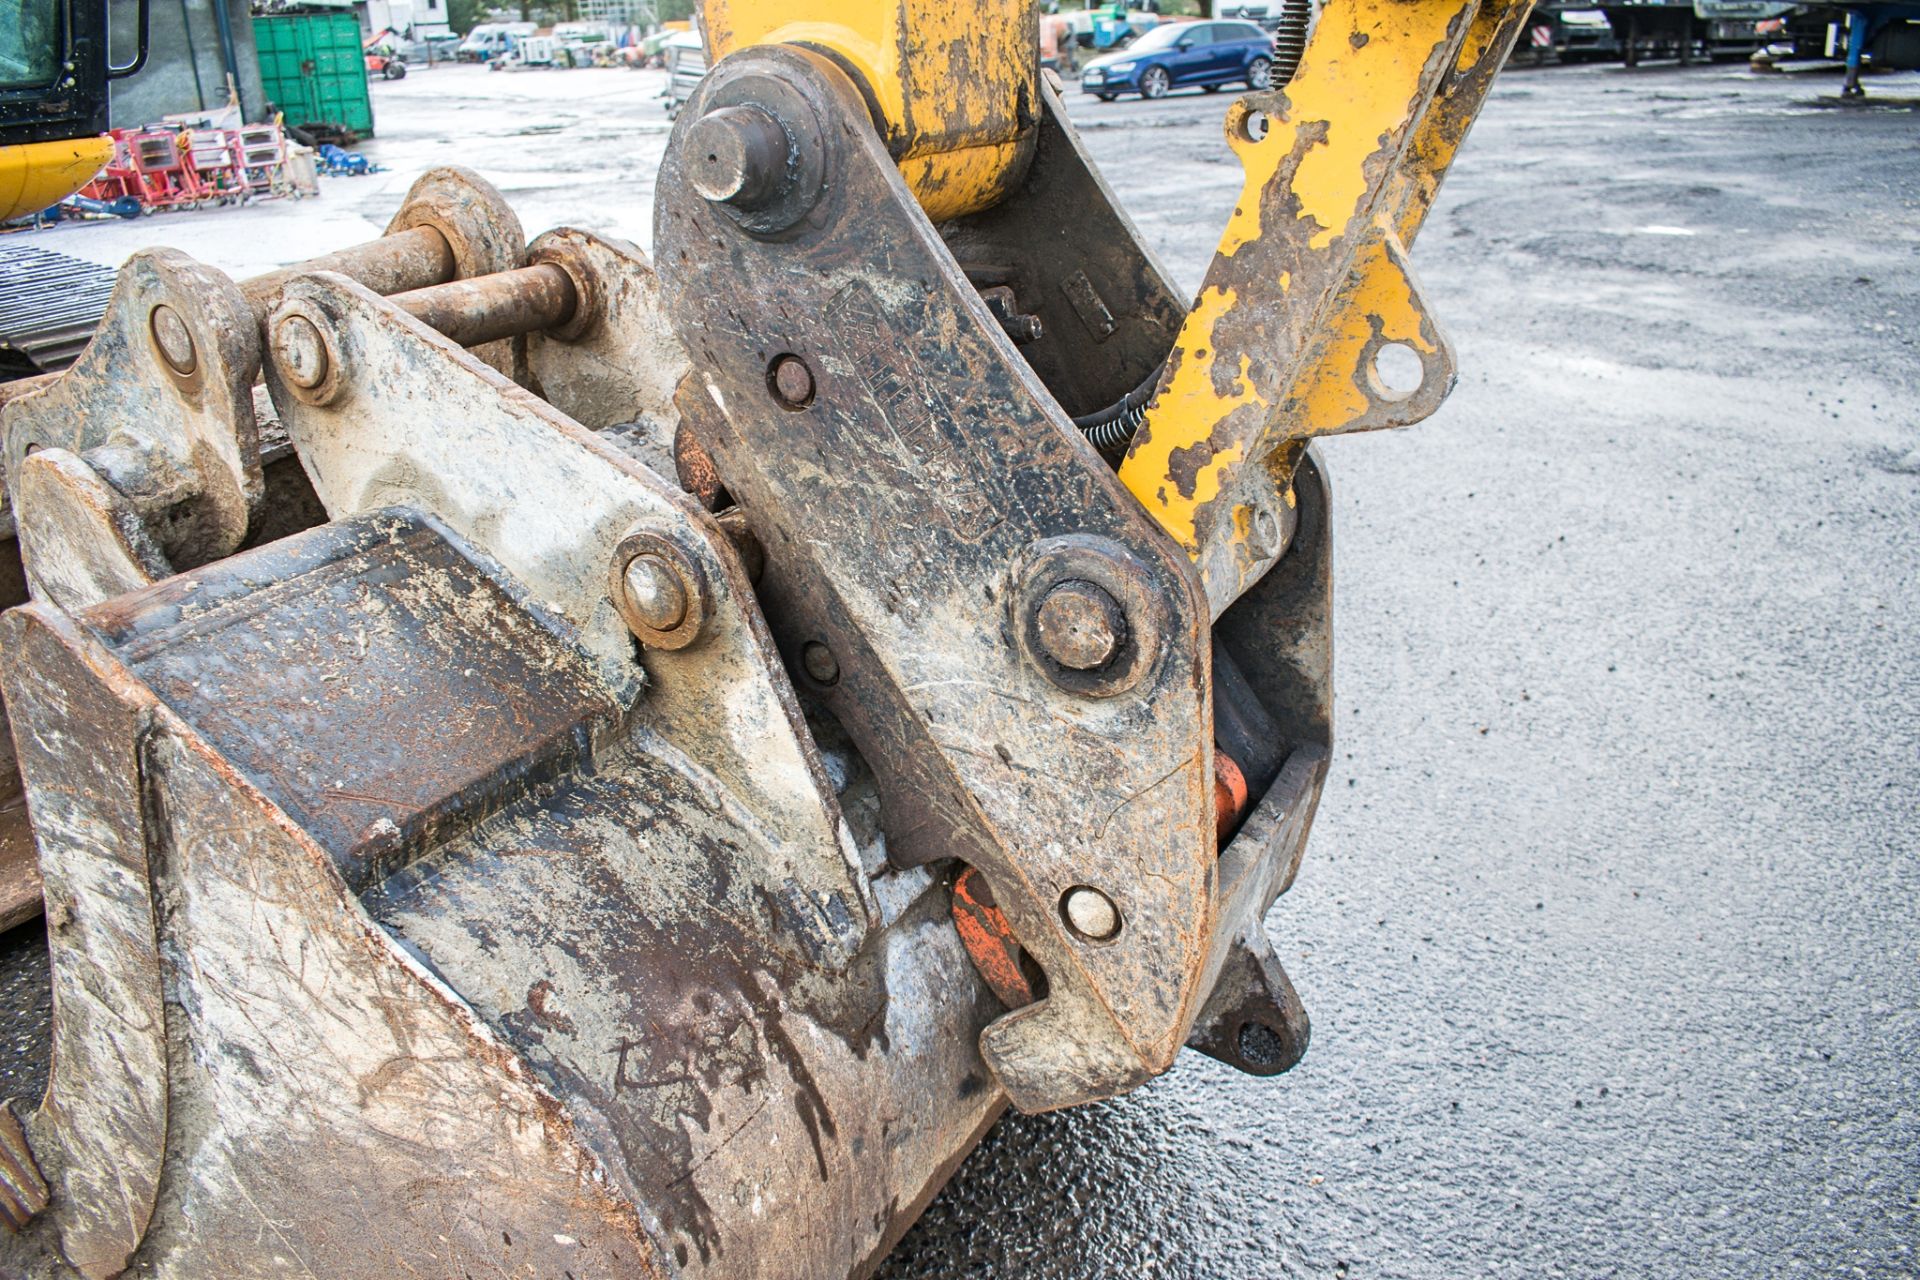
<point>546,762</point>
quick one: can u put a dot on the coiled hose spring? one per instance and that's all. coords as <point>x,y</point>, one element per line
<point>1110,430</point>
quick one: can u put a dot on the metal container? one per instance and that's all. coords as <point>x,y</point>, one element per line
<point>313,70</point>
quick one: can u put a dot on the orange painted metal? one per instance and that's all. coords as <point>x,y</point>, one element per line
<point>1229,795</point>
<point>989,938</point>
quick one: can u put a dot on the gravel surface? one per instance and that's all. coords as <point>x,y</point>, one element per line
<point>1608,923</point>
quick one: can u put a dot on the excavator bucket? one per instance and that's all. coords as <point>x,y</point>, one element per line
<point>549,762</point>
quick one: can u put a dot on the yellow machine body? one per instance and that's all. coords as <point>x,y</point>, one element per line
<point>34,175</point>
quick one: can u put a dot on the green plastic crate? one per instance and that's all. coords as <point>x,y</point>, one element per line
<point>313,69</point>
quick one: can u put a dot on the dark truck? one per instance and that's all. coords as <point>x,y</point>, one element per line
<point>1568,33</point>
<point>1690,28</point>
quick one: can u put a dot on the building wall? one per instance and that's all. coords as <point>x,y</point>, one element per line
<point>185,69</point>
<point>430,18</point>
<point>411,18</point>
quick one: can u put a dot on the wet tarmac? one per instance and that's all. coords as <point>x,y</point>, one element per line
<point>1610,923</point>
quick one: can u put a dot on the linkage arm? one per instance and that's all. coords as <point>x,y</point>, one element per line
<point>1311,281</point>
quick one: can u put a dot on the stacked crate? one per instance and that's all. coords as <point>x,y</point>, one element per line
<point>168,168</point>
<point>261,152</point>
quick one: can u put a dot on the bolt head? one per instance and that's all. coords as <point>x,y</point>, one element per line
<point>1090,913</point>
<point>659,589</point>
<point>654,592</point>
<point>1267,526</point>
<point>738,155</point>
<point>792,382</point>
<point>819,663</point>
<point>175,342</point>
<point>301,352</point>
<point>1080,626</point>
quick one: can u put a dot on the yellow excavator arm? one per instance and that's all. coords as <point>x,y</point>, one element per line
<point>54,80</point>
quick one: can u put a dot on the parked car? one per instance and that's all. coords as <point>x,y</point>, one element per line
<point>1289,20</point>
<point>1199,55</point>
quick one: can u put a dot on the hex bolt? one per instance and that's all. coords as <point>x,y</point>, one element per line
<point>739,156</point>
<point>791,382</point>
<point>655,594</point>
<point>175,342</point>
<point>1090,913</point>
<point>301,352</point>
<point>1023,328</point>
<point>1080,626</point>
<point>819,663</point>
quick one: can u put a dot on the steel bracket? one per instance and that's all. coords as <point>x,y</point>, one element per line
<point>620,369</point>
<point>420,423</point>
<point>155,420</point>
<point>149,446</point>
<point>903,502</point>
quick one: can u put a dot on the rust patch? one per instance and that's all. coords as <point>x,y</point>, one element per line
<point>1185,465</point>
<point>537,997</point>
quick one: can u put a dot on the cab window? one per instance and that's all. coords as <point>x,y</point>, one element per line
<point>30,44</point>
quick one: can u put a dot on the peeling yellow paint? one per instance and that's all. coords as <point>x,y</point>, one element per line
<point>1324,162</point>
<point>1358,95</point>
<point>1351,154</point>
<point>1489,38</point>
<point>1189,395</point>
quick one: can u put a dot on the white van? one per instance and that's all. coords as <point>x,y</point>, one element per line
<point>491,39</point>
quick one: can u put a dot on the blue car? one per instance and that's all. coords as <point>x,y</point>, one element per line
<point>1200,55</point>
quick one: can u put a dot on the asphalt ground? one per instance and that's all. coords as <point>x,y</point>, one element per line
<point>1608,922</point>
